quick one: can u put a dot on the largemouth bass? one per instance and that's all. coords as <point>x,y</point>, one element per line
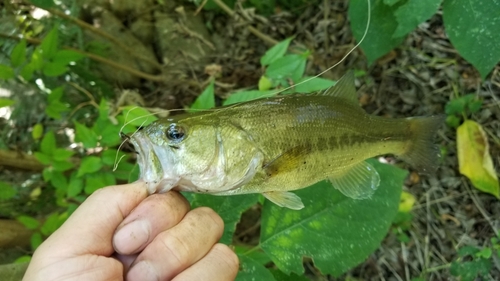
<point>278,144</point>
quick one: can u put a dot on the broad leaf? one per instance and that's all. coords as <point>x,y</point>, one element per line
<point>335,231</point>
<point>64,57</point>
<point>472,27</point>
<point>44,4</point>
<point>251,270</point>
<point>412,13</point>
<point>137,116</point>
<point>54,69</point>
<point>276,52</point>
<point>98,180</point>
<point>36,240</point>
<point>89,164</point>
<point>312,85</point>
<point>37,131</point>
<point>28,222</point>
<point>85,135</point>
<point>49,44</point>
<point>206,100</point>
<point>379,39</point>
<point>6,72</point>
<point>48,145</point>
<point>229,208</point>
<point>289,66</point>
<point>18,55</point>
<point>474,158</point>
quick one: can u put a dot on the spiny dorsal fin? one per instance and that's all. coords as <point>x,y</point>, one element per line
<point>344,88</point>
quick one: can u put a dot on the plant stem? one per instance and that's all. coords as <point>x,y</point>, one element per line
<point>253,250</point>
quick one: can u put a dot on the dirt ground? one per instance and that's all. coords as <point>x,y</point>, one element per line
<point>416,79</point>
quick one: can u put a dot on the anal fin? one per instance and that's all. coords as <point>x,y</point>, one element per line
<point>358,182</point>
<point>284,199</point>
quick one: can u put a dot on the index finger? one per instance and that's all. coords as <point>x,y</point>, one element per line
<point>93,224</point>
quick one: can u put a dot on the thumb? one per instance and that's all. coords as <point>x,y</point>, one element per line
<point>90,229</point>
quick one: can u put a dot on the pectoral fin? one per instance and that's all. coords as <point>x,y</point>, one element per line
<point>358,182</point>
<point>284,199</point>
<point>287,161</point>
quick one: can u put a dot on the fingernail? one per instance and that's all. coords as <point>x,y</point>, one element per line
<point>132,237</point>
<point>143,271</point>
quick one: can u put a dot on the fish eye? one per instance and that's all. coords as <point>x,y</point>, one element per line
<point>175,132</point>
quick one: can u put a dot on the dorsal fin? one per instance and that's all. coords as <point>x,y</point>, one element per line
<point>344,88</point>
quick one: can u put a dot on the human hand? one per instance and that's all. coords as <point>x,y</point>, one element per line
<point>118,234</point>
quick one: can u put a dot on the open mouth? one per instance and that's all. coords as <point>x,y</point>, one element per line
<point>149,164</point>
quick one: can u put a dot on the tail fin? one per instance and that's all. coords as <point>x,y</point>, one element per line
<point>421,152</point>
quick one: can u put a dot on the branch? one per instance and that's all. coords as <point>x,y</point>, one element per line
<point>138,73</point>
<point>20,160</point>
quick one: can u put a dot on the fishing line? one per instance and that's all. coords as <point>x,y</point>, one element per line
<point>117,161</point>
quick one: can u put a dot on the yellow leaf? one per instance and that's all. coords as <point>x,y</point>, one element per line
<point>406,202</point>
<point>474,158</point>
<point>264,83</point>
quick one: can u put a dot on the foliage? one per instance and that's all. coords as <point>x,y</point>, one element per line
<point>471,263</point>
<point>470,25</point>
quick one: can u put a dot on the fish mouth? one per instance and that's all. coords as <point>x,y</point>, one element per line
<point>151,170</point>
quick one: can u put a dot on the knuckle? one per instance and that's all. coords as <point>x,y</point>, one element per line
<point>207,212</point>
<point>227,255</point>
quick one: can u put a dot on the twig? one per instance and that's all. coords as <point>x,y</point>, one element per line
<point>252,29</point>
<point>480,207</point>
<point>138,73</point>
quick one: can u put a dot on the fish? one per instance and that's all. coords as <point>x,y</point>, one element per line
<point>278,144</point>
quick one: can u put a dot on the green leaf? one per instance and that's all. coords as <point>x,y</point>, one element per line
<point>206,100</point>
<point>36,240</point>
<point>110,135</point>
<point>44,4</point>
<point>62,166</point>
<point>251,270</point>
<point>49,44</point>
<point>6,72</point>
<point>456,106</point>
<point>64,57</point>
<point>109,156</point>
<point>6,102</point>
<point>255,254</point>
<point>75,186</point>
<point>137,116</point>
<point>54,69</point>
<point>61,154</point>
<point>472,27</point>
<point>89,164</point>
<point>229,208</point>
<point>37,131</point>
<point>313,85</point>
<point>85,135</point>
<point>379,40</point>
<point>248,96</point>
<point>55,108</point>
<point>6,191</point>
<point>52,223</point>
<point>23,259</point>
<point>475,106</point>
<point>412,13</point>
<point>335,231</point>
<point>280,276</point>
<point>289,66</point>
<point>27,71</point>
<point>37,61</point>
<point>48,144</point>
<point>47,174</point>
<point>18,55</point>
<point>99,180</point>
<point>59,181</point>
<point>55,94</point>
<point>28,222</point>
<point>264,83</point>
<point>276,52</point>
<point>127,171</point>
